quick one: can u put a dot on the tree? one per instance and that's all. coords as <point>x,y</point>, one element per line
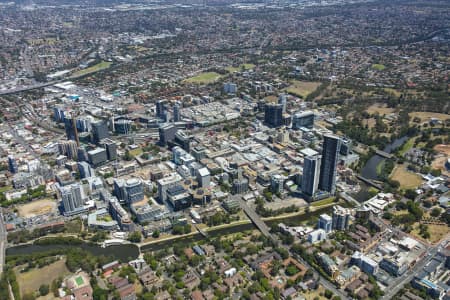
<point>44,289</point>
<point>410,194</point>
<point>128,156</point>
<point>135,237</point>
<point>155,234</point>
<point>328,294</point>
<point>435,212</point>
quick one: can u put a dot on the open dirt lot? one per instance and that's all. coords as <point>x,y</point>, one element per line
<point>36,208</point>
<point>32,280</point>
<point>426,116</point>
<point>382,109</point>
<point>437,232</point>
<point>408,180</point>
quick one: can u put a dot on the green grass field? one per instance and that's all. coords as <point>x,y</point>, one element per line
<point>5,188</point>
<point>136,152</point>
<point>31,281</point>
<point>406,146</point>
<point>243,66</point>
<point>100,66</point>
<point>378,67</point>
<point>79,280</point>
<point>302,88</point>
<point>204,78</point>
<point>323,202</point>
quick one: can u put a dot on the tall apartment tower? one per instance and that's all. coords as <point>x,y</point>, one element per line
<point>328,166</point>
<point>310,178</point>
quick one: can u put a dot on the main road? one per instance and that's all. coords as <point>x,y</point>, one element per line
<point>254,217</point>
<point>3,241</point>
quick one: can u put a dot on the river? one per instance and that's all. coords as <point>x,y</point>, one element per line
<point>369,170</point>
<point>120,252</point>
<point>130,251</point>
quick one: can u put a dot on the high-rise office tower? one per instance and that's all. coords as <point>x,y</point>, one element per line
<point>328,166</point>
<point>70,127</point>
<point>12,164</point>
<point>177,112</point>
<point>85,169</point>
<point>310,178</point>
<point>282,99</point>
<point>167,133</point>
<point>273,114</point>
<point>99,131</point>
<point>110,147</point>
<point>160,108</point>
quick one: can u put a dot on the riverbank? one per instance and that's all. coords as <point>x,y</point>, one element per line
<point>130,251</point>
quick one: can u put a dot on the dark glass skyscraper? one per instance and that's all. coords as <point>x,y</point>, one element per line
<point>330,156</point>
<point>99,131</point>
<point>273,114</point>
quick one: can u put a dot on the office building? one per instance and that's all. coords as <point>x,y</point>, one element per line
<point>273,114</point>
<point>303,120</point>
<point>119,214</point>
<point>203,177</point>
<point>341,217</point>
<point>328,165</point>
<point>71,128</point>
<point>122,126</point>
<point>310,177</point>
<point>160,108</point>
<point>240,184</point>
<point>282,99</point>
<point>346,147</point>
<point>110,147</point>
<point>395,265</point>
<point>82,154</point>
<point>83,125</point>
<point>177,112</point>
<point>97,157</point>
<point>26,180</point>
<point>167,133</point>
<point>58,113</point>
<point>230,88</point>
<point>134,190</point>
<point>99,131</point>
<point>316,236</point>
<point>183,139</point>
<point>325,222</point>
<point>72,198</point>
<point>99,220</point>
<point>178,197</point>
<point>165,183</point>
<point>365,263</point>
<point>12,164</point>
<point>145,212</point>
<point>69,149</point>
<point>129,191</point>
<point>85,170</point>
<point>277,184</point>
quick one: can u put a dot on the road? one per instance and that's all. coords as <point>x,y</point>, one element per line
<point>265,230</point>
<point>254,217</point>
<point>349,198</point>
<point>400,282</point>
<point>3,241</point>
